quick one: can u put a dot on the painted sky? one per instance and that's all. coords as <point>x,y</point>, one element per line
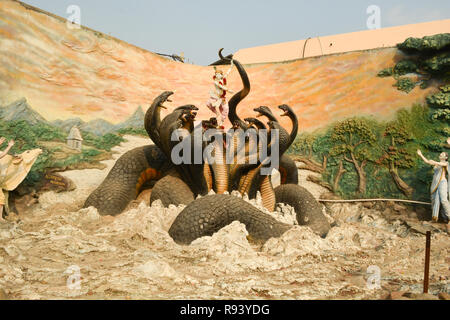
<point>198,28</point>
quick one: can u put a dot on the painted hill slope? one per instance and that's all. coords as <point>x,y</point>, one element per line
<point>84,74</point>
<point>20,110</point>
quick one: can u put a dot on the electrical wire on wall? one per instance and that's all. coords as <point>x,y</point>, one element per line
<point>304,47</point>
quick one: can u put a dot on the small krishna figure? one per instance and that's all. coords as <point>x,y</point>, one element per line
<point>217,102</point>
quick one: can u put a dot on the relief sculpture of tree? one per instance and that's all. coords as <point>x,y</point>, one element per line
<point>354,140</point>
<point>304,145</point>
<point>396,155</point>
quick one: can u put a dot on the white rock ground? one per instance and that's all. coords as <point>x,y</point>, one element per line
<point>131,256</point>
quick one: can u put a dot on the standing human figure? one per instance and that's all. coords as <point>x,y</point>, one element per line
<point>439,187</point>
<point>217,102</point>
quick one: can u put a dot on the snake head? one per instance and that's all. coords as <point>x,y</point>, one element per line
<point>190,107</point>
<point>250,120</point>
<point>286,109</point>
<point>184,115</point>
<point>272,124</point>
<point>164,97</point>
<point>188,112</point>
<point>210,124</point>
<point>236,125</point>
<point>193,114</point>
<point>206,124</point>
<point>188,115</point>
<point>213,121</point>
<point>262,111</point>
<point>255,123</point>
<point>224,58</point>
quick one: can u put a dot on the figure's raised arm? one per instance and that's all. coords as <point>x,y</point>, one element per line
<point>432,162</point>
<point>231,69</point>
<point>419,152</point>
<point>10,145</point>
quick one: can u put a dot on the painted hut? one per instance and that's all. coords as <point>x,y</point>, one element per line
<point>74,140</point>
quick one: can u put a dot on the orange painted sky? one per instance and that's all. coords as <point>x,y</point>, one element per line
<point>67,73</point>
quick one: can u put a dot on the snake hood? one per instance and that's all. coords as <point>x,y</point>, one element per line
<point>152,119</point>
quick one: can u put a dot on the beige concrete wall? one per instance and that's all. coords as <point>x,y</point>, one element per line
<point>362,40</point>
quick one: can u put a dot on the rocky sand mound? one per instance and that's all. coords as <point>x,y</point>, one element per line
<point>132,256</point>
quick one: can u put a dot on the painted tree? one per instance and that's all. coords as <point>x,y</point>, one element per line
<point>304,145</point>
<point>440,102</point>
<point>429,59</point>
<point>354,140</point>
<point>339,173</point>
<point>322,146</point>
<point>396,155</point>
<point>432,57</point>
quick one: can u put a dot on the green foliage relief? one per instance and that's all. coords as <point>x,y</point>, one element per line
<point>426,58</point>
<point>384,153</point>
<point>28,137</point>
<point>368,158</point>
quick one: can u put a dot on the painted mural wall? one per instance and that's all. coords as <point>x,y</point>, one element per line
<point>66,73</point>
<point>53,78</point>
<point>367,157</point>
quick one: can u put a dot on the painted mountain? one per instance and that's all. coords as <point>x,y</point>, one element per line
<point>98,127</point>
<point>135,121</point>
<point>68,124</point>
<point>85,74</point>
<point>21,110</point>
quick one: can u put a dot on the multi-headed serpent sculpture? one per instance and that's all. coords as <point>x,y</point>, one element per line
<point>152,167</point>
